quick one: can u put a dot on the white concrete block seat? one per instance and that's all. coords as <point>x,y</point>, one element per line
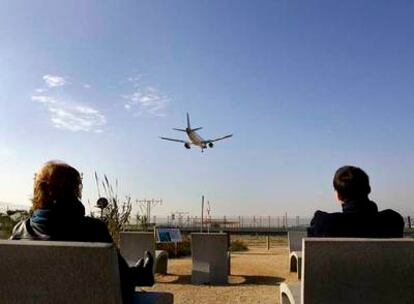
<point>290,293</point>
<point>161,261</point>
<point>44,272</point>
<point>133,245</point>
<point>356,271</point>
<point>295,262</point>
<point>295,250</point>
<point>210,258</point>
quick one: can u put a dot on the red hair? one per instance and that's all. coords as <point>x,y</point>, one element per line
<point>56,181</point>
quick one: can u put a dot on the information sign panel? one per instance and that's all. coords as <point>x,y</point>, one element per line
<point>168,235</point>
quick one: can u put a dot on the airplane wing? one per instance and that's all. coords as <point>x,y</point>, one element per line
<point>176,140</point>
<point>217,139</point>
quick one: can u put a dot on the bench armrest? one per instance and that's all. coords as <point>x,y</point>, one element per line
<point>290,293</point>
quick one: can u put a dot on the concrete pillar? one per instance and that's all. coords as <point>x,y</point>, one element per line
<point>210,258</point>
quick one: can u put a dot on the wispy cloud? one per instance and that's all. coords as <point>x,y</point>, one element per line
<point>53,81</point>
<point>136,80</point>
<point>68,115</point>
<point>44,99</point>
<point>87,86</point>
<point>147,100</point>
<point>77,118</point>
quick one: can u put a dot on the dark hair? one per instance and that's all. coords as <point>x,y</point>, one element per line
<point>351,183</point>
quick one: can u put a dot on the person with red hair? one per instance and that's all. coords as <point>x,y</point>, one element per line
<point>59,215</point>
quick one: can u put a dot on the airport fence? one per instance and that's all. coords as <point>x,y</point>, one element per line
<point>242,222</point>
<point>282,222</point>
<point>231,222</point>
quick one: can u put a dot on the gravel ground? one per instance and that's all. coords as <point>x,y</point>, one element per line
<point>255,278</point>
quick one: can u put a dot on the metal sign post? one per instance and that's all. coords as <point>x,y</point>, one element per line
<point>202,213</point>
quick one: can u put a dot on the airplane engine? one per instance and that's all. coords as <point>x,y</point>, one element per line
<point>211,145</point>
<point>187,145</point>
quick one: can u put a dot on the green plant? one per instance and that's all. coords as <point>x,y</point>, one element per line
<point>117,212</point>
<point>238,245</point>
<point>177,250</point>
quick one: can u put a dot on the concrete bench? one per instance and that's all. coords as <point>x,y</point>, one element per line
<point>44,272</point>
<point>349,270</point>
<point>210,258</point>
<point>161,261</point>
<point>295,251</point>
<point>133,246</point>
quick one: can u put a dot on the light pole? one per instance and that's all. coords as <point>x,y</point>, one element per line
<point>102,203</point>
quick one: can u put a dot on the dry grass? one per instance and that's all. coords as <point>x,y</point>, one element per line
<point>255,276</point>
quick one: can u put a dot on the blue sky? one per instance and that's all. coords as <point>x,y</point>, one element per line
<point>305,87</point>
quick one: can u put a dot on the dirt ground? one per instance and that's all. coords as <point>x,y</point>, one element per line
<point>255,276</point>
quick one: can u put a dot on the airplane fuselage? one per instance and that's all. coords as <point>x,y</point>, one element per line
<point>195,138</point>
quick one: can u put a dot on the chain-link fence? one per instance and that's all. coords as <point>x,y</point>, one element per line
<point>242,222</point>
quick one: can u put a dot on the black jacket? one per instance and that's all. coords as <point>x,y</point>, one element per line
<point>360,219</point>
<point>69,223</point>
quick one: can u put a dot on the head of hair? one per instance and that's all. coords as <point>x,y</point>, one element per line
<point>56,182</point>
<point>351,183</point>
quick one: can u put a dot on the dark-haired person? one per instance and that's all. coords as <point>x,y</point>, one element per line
<point>58,215</point>
<point>359,217</point>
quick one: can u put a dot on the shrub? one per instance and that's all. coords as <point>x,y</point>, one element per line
<point>183,248</point>
<point>238,245</point>
<point>116,214</point>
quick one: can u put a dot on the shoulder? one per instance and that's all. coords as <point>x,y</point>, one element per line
<point>322,216</point>
<point>319,213</point>
<point>389,213</point>
<point>324,224</point>
<point>391,217</point>
<point>391,223</point>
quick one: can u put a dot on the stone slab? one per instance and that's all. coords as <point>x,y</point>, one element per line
<point>161,261</point>
<point>295,261</point>
<point>58,272</point>
<point>349,270</point>
<point>210,258</point>
<point>290,293</point>
<point>295,240</point>
<point>134,244</point>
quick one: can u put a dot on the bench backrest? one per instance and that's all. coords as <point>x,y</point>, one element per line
<point>295,240</point>
<point>58,272</point>
<point>134,244</point>
<point>341,270</point>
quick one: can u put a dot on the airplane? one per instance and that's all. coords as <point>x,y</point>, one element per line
<point>194,138</point>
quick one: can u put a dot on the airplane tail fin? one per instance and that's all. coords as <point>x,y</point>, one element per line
<point>188,121</point>
<point>189,124</point>
<point>182,130</point>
